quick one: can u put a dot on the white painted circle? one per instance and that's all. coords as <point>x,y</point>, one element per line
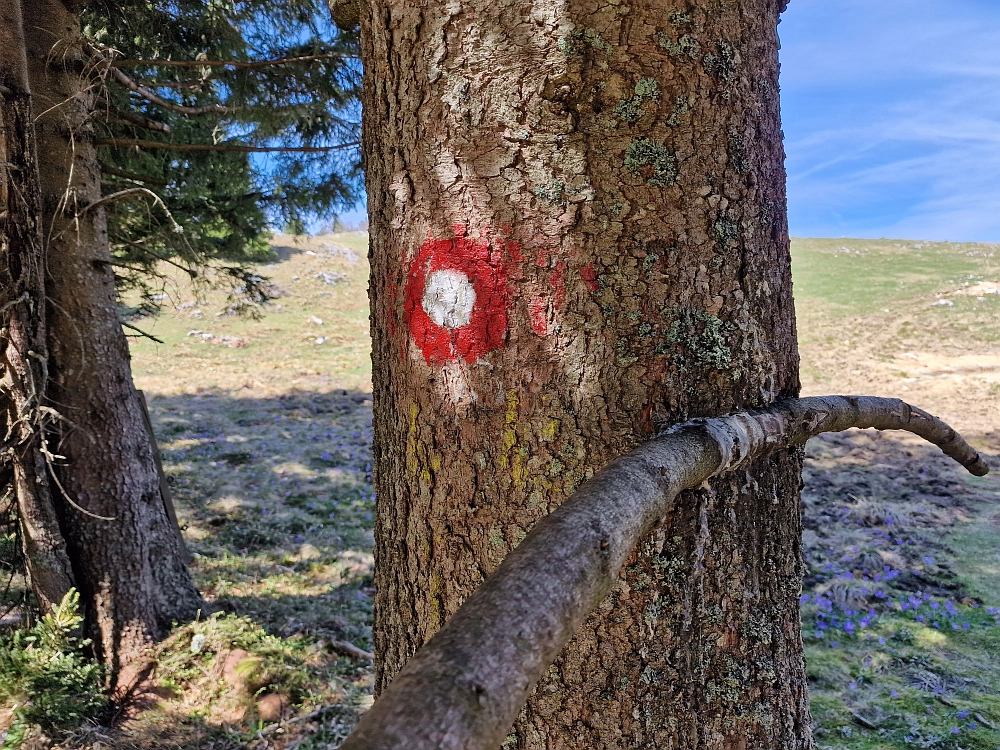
<point>449,298</point>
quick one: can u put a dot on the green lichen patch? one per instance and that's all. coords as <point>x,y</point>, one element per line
<point>678,18</point>
<point>652,160</point>
<point>699,338</point>
<point>685,46</point>
<point>553,192</point>
<point>624,353</point>
<point>577,40</point>
<point>726,230</point>
<point>682,105</point>
<point>630,109</point>
<point>737,152</point>
<point>723,63</point>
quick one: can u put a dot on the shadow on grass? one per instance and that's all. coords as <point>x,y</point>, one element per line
<point>276,497</point>
<point>276,501</point>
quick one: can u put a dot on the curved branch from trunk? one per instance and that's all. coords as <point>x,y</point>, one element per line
<point>464,688</point>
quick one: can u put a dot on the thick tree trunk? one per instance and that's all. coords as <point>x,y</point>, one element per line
<point>578,236</point>
<point>23,350</point>
<point>129,569</point>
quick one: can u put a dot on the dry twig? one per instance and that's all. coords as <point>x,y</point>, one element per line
<point>165,146</point>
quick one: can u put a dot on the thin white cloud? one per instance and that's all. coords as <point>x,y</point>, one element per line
<point>892,116</point>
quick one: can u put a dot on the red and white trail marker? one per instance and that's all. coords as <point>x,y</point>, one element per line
<point>458,297</point>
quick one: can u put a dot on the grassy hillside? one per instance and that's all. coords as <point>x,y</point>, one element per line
<point>265,429</point>
<point>900,618</point>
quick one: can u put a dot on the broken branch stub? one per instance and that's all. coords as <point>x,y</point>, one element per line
<point>464,688</point>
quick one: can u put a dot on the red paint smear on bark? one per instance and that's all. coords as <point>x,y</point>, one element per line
<point>538,323</point>
<point>487,269</point>
<point>557,280</point>
<point>589,276</point>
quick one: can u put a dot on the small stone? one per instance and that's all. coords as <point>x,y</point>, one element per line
<point>230,667</point>
<point>270,707</point>
<point>309,552</point>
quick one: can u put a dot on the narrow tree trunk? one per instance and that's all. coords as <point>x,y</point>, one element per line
<point>578,236</point>
<point>24,358</point>
<point>129,569</point>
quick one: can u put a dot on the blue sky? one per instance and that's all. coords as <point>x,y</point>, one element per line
<point>891,113</point>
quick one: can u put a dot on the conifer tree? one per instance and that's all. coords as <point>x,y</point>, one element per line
<point>167,132</point>
<point>236,115</point>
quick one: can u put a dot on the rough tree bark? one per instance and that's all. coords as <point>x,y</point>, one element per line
<point>578,236</point>
<point>129,569</point>
<point>23,350</point>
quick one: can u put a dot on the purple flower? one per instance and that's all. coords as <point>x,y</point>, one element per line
<point>881,641</point>
<point>920,618</point>
<point>955,730</point>
<point>929,560</point>
<point>962,714</point>
<point>804,598</point>
<point>893,694</point>
<point>853,686</point>
<point>833,644</point>
<point>965,626</point>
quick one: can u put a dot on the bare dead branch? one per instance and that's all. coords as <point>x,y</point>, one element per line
<point>221,146</point>
<point>199,84</point>
<point>464,688</point>
<point>141,333</point>
<point>128,193</point>
<point>134,177</point>
<point>150,96</point>
<point>228,63</point>
<point>131,118</point>
<point>147,94</point>
<point>189,271</point>
<point>346,647</point>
